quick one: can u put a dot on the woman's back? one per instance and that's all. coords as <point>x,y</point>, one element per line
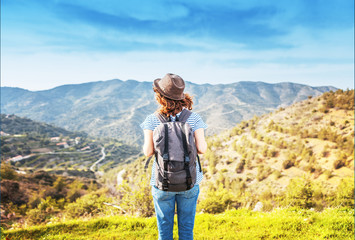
<point>172,100</point>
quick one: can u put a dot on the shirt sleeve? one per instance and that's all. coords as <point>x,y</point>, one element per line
<point>147,124</point>
<point>197,122</point>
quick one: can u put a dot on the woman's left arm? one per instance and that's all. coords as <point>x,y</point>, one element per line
<point>148,147</point>
<point>200,141</point>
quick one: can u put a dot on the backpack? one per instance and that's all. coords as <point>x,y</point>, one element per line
<point>175,154</point>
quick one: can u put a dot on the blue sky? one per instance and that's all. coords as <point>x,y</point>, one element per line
<point>47,43</point>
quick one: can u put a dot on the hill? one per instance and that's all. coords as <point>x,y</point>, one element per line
<point>301,155</point>
<point>15,125</point>
<point>115,108</point>
<point>31,145</point>
<point>45,169</point>
<point>312,137</point>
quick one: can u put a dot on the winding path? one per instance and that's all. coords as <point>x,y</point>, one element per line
<point>98,161</point>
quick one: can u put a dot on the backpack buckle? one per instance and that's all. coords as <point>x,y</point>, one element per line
<point>166,157</point>
<point>187,159</point>
<point>165,185</point>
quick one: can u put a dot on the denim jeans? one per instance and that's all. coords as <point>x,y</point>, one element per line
<point>164,203</point>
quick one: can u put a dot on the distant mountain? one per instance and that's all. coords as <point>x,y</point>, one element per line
<point>115,108</point>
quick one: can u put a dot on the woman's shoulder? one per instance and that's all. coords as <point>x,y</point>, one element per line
<point>196,121</point>
<point>194,116</point>
<point>150,122</point>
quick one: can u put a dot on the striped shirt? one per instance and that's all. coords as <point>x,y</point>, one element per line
<point>195,121</point>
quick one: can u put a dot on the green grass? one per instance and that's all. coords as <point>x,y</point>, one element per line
<point>234,224</point>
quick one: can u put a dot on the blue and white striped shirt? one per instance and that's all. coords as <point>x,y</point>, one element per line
<point>195,121</point>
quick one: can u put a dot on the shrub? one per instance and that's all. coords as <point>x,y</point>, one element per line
<point>339,163</point>
<point>263,172</point>
<point>7,172</point>
<point>140,201</point>
<point>217,201</point>
<point>88,205</point>
<point>266,195</point>
<point>272,153</point>
<point>288,163</point>
<point>345,193</point>
<point>59,184</point>
<point>318,206</point>
<point>240,166</point>
<point>327,174</point>
<point>75,190</point>
<point>229,161</point>
<point>36,216</point>
<point>267,206</point>
<point>277,174</point>
<point>299,193</point>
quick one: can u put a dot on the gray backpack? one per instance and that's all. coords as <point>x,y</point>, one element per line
<point>175,154</point>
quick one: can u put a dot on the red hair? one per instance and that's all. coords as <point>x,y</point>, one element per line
<point>169,107</point>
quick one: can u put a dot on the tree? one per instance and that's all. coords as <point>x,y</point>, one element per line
<point>299,193</point>
<point>7,172</point>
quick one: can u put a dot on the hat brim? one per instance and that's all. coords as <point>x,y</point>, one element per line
<point>156,85</point>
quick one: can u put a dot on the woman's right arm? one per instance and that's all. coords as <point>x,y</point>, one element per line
<point>200,141</point>
<point>148,147</point>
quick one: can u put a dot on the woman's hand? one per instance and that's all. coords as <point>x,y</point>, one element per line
<point>200,141</point>
<point>148,147</point>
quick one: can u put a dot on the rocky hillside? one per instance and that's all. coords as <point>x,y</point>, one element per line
<point>312,140</point>
<point>115,108</point>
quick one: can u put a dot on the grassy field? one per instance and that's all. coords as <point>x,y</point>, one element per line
<point>288,224</point>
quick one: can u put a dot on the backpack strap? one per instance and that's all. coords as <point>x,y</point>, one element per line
<point>147,162</point>
<point>186,159</point>
<point>161,117</point>
<point>184,115</point>
<point>166,158</point>
<point>199,163</point>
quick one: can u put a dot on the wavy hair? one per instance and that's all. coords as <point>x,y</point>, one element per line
<point>169,107</point>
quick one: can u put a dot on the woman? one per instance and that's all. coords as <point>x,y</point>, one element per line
<point>172,99</point>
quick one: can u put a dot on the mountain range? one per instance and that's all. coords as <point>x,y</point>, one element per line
<point>115,108</point>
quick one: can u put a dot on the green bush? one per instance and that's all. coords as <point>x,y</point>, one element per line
<point>36,216</point>
<point>87,205</point>
<point>263,172</point>
<point>345,193</point>
<point>341,160</point>
<point>277,174</point>
<point>240,166</point>
<point>288,163</point>
<point>299,193</point>
<point>7,172</point>
<point>217,201</point>
<point>267,206</point>
<point>138,202</point>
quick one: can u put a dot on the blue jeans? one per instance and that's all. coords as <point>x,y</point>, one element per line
<point>164,203</point>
